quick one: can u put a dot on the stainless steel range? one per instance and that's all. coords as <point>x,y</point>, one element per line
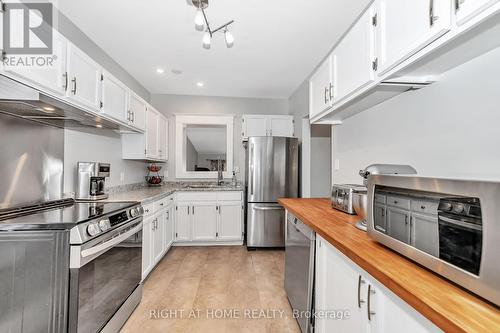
<point>78,265</point>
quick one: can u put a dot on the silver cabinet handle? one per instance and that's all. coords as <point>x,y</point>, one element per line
<point>132,115</point>
<point>360,282</point>
<point>74,85</point>
<point>458,4</point>
<point>383,212</point>
<point>219,210</point>
<point>193,210</point>
<point>268,208</point>
<point>331,91</point>
<point>326,95</point>
<point>65,84</point>
<point>188,209</point>
<point>432,17</point>
<point>368,308</point>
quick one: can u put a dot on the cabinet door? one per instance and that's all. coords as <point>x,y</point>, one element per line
<point>321,88</point>
<point>254,126</point>
<point>147,245</point>
<point>379,215</point>
<point>398,224</point>
<point>183,222</point>
<point>169,227</point>
<point>204,221</point>
<point>425,233</point>
<point>162,138</point>
<point>281,126</point>
<point>84,78</point>
<point>158,235</point>
<point>114,98</point>
<point>230,220</point>
<point>354,56</point>
<point>390,314</point>
<point>407,26</point>
<point>467,9</point>
<point>337,285</point>
<point>137,109</point>
<point>51,78</point>
<point>152,118</point>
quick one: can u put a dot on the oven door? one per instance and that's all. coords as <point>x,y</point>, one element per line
<point>104,272</point>
<point>460,242</point>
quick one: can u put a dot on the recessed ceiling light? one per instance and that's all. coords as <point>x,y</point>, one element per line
<point>98,125</point>
<point>200,84</point>
<point>160,70</point>
<point>48,108</point>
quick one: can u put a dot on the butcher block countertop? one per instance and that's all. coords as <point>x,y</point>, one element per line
<point>445,304</point>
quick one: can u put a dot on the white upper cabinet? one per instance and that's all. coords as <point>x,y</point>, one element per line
<point>114,99</point>
<point>406,26</point>
<point>162,137</point>
<point>152,117</point>
<point>267,125</point>
<point>84,78</point>
<point>52,78</point>
<point>467,9</point>
<point>354,56</point>
<point>321,88</point>
<point>136,114</point>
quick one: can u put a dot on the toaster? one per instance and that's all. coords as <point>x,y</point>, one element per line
<point>342,196</point>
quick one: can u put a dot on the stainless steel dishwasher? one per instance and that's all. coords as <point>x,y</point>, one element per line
<point>299,270</point>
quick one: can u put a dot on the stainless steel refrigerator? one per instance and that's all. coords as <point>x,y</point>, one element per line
<point>271,173</point>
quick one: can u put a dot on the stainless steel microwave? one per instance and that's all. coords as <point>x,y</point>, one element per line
<point>449,226</point>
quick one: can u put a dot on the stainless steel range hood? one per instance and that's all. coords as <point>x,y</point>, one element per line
<point>19,100</point>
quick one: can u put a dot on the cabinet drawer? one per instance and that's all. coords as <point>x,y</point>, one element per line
<point>148,209</point>
<point>380,198</point>
<point>425,206</point>
<point>197,196</point>
<point>160,204</point>
<point>229,196</point>
<point>400,202</point>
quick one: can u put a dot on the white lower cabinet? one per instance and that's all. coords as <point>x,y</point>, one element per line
<point>169,226</point>
<point>147,245</point>
<point>209,217</point>
<point>158,236</point>
<point>347,299</point>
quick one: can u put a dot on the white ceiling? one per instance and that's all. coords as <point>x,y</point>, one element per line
<point>277,42</point>
<point>208,139</point>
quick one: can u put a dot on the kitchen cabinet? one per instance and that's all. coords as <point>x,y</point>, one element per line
<point>84,79</point>
<point>398,224</point>
<point>169,226</point>
<point>354,57</point>
<point>209,217</point>
<point>425,233</point>
<point>467,9</point>
<point>162,138</point>
<point>52,79</point>
<point>379,213</point>
<point>136,114</point>
<point>147,245</point>
<point>158,236</point>
<point>343,286</point>
<point>321,88</point>
<point>204,221</point>
<point>406,26</point>
<point>267,125</point>
<point>183,222</point>
<point>114,99</point>
<point>153,144</point>
<point>230,217</point>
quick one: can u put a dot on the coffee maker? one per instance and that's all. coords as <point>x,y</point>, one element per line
<point>91,180</point>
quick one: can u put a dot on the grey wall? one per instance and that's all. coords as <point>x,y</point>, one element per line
<point>179,104</point>
<point>191,155</point>
<point>99,146</point>
<point>299,106</point>
<point>77,37</point>
<point>449,129</point>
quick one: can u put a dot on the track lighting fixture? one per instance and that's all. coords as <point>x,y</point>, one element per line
<point>201,24</point>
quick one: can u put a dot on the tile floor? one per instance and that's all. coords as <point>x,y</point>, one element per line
<point>192,287</point>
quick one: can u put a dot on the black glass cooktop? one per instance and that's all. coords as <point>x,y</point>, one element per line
<point>64,217</point>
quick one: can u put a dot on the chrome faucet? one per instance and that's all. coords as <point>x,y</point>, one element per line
<point>220,177</point>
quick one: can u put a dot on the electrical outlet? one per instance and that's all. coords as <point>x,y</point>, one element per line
<point>337,165</point>
<point>122,177</point>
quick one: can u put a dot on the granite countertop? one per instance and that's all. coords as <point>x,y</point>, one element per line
<point>448,306</point>
<point>146,194</point>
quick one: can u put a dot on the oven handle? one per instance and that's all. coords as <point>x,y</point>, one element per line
<point>109,244</point>
<point>448,221</point>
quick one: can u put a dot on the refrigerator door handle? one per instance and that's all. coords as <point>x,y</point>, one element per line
<point>250,177</point>
<point>277,207</point>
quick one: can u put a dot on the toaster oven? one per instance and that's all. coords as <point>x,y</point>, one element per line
<point>342,196</point>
